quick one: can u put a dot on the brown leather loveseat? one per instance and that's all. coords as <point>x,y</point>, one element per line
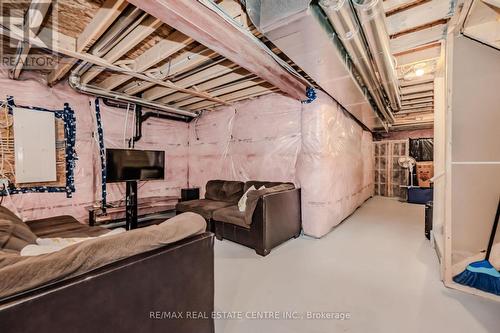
<point>272,215</point>
<point>137,293</point>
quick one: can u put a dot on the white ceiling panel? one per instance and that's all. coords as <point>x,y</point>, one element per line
<point>419,15</point>
<point>418,38</point>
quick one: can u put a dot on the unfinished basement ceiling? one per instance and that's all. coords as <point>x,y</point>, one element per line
<point>149,59</point>
<point>178,71</point>
<point>481,21</point>
<point>417,29</point>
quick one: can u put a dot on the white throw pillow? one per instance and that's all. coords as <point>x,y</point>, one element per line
<point>242,204</point>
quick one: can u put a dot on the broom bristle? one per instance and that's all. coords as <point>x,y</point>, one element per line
<point>481,281</point>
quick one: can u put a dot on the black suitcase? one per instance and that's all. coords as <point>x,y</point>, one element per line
<point>428,219</point>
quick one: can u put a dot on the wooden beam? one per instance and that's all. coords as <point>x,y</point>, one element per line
<point>264,88</point>
<point>417,106</point>
<point>417,89</point>
<point>143,30</point>
<point>418,100</point>
<point>405,6</point>
<point>204,75</point>
<point>162,50</point>
<point>17,34</point>
<point>417,49</point>
<point>32,24</point>
<point>419,28</point>
<point>184,61</point>
<point>417,96</point>
<point>416,82</point>
<point>222,91</point>
<point>211,29</point>
<point>238,74</point>
<point>103,19</point>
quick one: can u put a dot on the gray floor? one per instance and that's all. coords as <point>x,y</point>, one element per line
<point>377,266</point>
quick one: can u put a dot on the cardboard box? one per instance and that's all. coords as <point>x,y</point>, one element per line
<point>425,171</point>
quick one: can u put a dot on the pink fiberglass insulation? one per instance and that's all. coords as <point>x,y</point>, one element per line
<point>257,139</point>
<point>262,138</point>
<point>334,168</point>
<point>317,146</point>
<point>157,134</point>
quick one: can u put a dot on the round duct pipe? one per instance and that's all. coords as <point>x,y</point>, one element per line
<point>343,19</point>
<point>74,83</point>
<point>372,17</point>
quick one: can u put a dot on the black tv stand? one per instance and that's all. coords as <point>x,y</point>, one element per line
<point>131,205</point>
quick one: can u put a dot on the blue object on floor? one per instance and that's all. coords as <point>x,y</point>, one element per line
<point>418,195</point>
<point>481,274</point>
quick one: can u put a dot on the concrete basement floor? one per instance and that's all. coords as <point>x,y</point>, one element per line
<point>377,265</point>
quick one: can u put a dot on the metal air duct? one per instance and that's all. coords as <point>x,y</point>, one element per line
<point>302,31</point>
<point>75,83</point>
<point>343,19</point>
<point>372,16</point>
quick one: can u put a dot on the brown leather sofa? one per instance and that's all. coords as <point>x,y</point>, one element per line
<point>219,194</point>
<point>135,294</point>
<point>275,219</point>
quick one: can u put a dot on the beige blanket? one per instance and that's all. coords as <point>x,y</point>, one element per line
<point>19,273</point>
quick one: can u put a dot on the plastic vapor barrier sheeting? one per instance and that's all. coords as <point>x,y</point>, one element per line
<point>258,139</point>
<point>157,134</point>
<point>335,166</point>
<point>317,146</point>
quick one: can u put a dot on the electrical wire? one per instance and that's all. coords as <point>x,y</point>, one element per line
<point>125,126</point>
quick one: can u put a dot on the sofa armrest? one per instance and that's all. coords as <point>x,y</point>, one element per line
<point>132,294</point>
<point>281,217</point>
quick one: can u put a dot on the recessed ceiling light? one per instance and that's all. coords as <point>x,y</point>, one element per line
<point>419,72</point>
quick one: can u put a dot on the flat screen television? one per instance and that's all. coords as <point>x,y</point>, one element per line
<point>130,164</point>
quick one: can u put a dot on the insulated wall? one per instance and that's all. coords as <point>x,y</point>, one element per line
<point>335,166</point>
<point>258,139</point>
<point>157,134</point>
<point>317,146</point>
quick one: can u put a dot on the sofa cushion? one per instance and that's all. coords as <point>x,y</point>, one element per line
<point>224,190</point>
<point>203,207</point>
<point>254,196</point>
<point>259,184</point>
<point>231,215</point>
<point>65,226</point>
<point>14,233</point>
<point>23,273</point>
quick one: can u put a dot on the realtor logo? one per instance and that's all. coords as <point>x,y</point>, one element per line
<point>22,21</point>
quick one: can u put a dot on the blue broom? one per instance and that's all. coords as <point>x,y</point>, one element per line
<point>481,274</point>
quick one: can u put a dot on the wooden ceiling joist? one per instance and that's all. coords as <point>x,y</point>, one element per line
<point>419,28</point>
<point>416,82</point>
<point>15,33</point>
<point>222,91</point>
<point>238,74</point>
<point>211,29</point>
<point>137,35</point>
<point>259,90</point>
<point>106,15</point>
<point>417,100</point>
<point>405,6</point>
<point>182,62</point>
<point>418,88</point>
<point>220,69</point>
<point>161,51</point>
<point>418,48</point>
<point>417,96</point>
<point>32,23</point>
<point>417,106</point>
